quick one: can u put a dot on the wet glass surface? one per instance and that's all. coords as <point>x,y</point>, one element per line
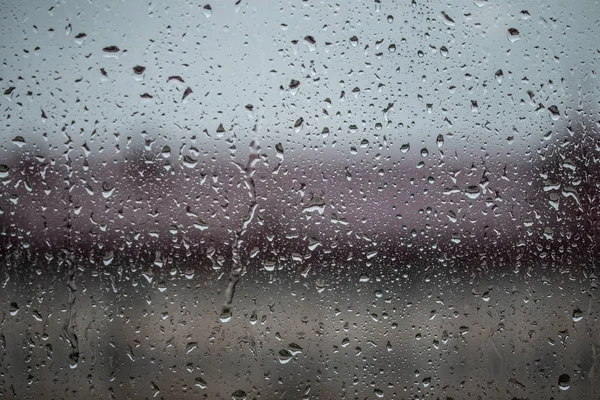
<point>299,200</point>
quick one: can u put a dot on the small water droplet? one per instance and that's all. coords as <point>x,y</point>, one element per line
<point>447,20</point>
<point>225,315</point>
<point>111,49</point>
<point>298,124</point>
<point>207,10</point>
<point>239,395</point>
<point>564,382</point>
<point>513,35</point>
<point>554,113</point>
<point>201,383</point>
<point>19,141</point>
<point>440,140</point>
<point>285,356</point>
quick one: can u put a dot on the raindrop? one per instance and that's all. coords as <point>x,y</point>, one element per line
<point>310,42</point>
<point>513,35</point>
<point>298,124</point>
<point>554,113</point>
<point>186,93</point>
<point>239,395</point>
<point>201,383</point>
<point>225,315</point>
<point>440,140</point>
<point>19,141</point>
<point>13,308</point>
<point>285,356</point>
<point>472,192</point>
<point>564,382</point>
<point>138,69</point>
<point>447,20</point>
<point>189,161</point>
<point>207,10</point>
<point>499,75</point>
<point>107,190</point>
<point>111,49</point>
<point>4,171</point>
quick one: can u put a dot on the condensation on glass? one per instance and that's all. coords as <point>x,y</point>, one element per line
<point>299,199</point>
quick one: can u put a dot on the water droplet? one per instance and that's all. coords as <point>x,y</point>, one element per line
<point>554,113</point>
<point>310,42</point>
<point>225,315</point>
<point>577,315</point>
<point>4,171</point>
<point>472,192</point>
<point>19,141</point>
<point>207,10</point>
<point>201,383</point>
<point>269,266</point>
<point>564,382</point>
<point>298,124</point>
<point>189,161</point>
<point>239,395</point>
<point>13,309</point>
<point>253,318</point>
<point>447,20</point>
<point>499,75</point>
<point>440,140</point>
<point>513,35</point>
<point>107,190</point>
<point>186,93</point>
<point>294,349</point>
<point>138,70</point>
<point>111,49</point>
<point>294,84</point>
<point>285,356</point>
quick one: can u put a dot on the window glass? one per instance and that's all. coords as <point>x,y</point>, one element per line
<point>299,199</point>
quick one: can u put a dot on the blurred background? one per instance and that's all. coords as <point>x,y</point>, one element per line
<point>299,200</point>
